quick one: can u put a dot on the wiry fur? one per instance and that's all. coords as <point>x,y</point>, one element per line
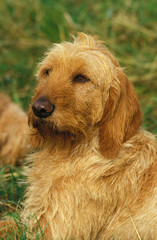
<point>94,176</point>
<point>13,132</point>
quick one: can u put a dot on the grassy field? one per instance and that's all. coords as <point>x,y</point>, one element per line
<point>29,27</point>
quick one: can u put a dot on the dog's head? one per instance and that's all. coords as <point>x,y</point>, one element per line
<point>82,87</point>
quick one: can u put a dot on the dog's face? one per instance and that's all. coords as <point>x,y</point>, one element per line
<point>78,83</point>
<point>72,89</point>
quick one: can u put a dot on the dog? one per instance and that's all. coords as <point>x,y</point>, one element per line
<point>94,173</point>
<point>14,140</point>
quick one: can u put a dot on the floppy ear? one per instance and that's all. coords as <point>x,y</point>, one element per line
<point>121,118</point>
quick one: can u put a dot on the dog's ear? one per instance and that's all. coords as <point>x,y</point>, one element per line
<point>121,118</point>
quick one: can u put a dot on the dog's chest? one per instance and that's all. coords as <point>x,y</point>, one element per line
<point>65,192</point>
<point>57,177</point>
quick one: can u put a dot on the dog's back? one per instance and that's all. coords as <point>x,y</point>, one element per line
<point>13,132</point>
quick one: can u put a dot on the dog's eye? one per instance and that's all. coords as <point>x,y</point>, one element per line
<point>46,72</point>
<point>81,79</point>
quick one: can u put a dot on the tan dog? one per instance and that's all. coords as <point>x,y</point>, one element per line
<point>13,132</point>
<point>95,174</point>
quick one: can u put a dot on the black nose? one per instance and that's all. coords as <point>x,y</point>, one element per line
<point>42,107</point>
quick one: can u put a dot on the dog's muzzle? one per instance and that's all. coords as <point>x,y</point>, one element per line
<point>42,107</point>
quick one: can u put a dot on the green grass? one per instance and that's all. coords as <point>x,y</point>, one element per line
<point>128,27</point>
<point>22,232</point>
<point>29,27</point>
<point>11,188</point>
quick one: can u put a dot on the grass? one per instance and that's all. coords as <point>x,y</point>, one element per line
<point>29,27</point>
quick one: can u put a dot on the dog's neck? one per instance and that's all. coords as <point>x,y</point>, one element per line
<point>86,155</point>
<point>64,148</point>
<point>68,144</point>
